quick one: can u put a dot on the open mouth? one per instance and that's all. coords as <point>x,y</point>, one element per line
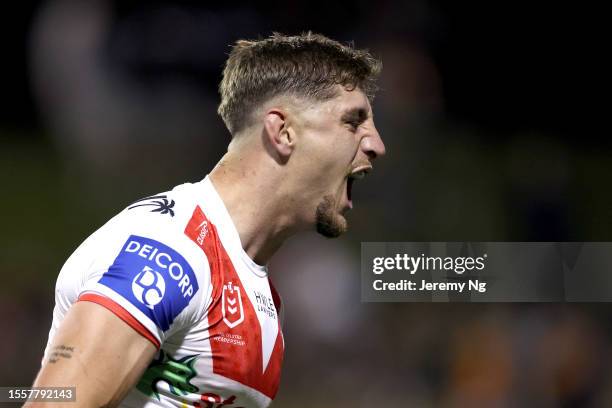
<point>355,175</point>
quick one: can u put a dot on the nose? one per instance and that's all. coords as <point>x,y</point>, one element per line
<point>372,144</point>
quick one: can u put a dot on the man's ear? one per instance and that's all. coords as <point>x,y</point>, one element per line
<point>279,136</point>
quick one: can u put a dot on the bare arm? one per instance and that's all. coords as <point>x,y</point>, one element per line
<point>96,352</point>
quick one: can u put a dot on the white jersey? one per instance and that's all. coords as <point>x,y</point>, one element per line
<point>173,268</point>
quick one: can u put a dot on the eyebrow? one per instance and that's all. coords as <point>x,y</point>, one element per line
<point>358,115</point>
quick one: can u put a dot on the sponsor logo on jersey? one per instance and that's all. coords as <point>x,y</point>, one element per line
<point>149,287</point>
<point>154,278</point>
<point>161,204</point>
<point>233,313</point>
<point>265,304</point>
<point>203,227</point>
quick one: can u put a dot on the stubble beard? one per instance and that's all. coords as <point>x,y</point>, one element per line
<point>330,224</point>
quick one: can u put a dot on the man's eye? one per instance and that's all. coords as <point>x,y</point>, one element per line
<point>353,124</point>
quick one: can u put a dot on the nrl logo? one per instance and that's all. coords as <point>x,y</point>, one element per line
<point>233,313</point>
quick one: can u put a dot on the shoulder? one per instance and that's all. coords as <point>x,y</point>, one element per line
<point>158,220</point>
<point>154,223</point>
<point>145,263</point>
<point>150,234</point>
<point>162,210</point>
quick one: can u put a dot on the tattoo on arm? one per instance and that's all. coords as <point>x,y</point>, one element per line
<point>59,352</point>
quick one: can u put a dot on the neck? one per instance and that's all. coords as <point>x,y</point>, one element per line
<point>256,203</point>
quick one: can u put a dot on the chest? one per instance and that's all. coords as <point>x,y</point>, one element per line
<point>243,329</point>
<point>232,357</point>
<point>245,336</point>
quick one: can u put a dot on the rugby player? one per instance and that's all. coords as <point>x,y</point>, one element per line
<point>169,303</point>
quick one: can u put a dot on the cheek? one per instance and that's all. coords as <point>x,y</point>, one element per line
<point>327,159</point>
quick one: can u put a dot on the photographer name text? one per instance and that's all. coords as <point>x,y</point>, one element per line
<point>425,286</point>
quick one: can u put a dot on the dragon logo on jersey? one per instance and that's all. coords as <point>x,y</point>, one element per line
<point>149,287</point>
<point>233,313</point>
<point>161,203</point>
<point>176,373</point>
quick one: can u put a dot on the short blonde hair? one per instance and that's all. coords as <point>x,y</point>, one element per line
<point>307,65</point>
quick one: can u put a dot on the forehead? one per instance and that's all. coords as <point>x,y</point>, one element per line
<point>348,102</point>
<point>345,106</point>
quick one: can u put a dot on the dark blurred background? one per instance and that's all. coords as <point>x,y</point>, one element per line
<point>493,118</point>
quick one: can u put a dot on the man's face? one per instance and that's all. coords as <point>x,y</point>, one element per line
<point>338,142</point>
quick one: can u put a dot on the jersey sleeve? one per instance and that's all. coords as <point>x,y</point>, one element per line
<point>154,281</point>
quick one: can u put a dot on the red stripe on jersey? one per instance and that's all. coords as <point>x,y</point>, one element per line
<point>236,351</point>
<point>121,313</point>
